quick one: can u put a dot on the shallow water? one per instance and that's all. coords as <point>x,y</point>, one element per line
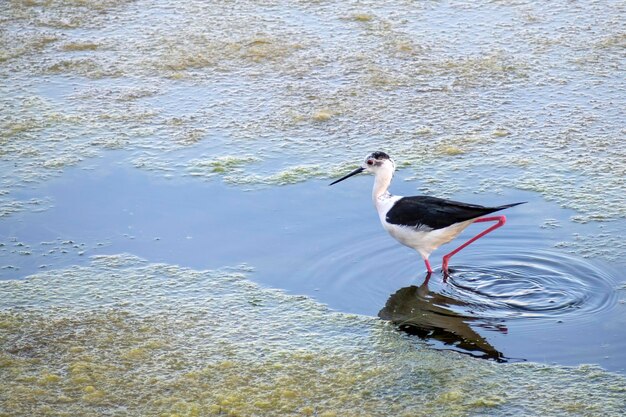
<point>531,92</point>
<point>529,299</point>
<point>124,336</point>
<point>203,134</point>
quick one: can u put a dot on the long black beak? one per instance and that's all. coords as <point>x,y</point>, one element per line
<point>356,171</point>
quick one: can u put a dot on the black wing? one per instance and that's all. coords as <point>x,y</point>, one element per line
<point>435,213</point>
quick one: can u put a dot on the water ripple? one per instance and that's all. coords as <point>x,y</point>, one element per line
<point>524,283</point>
<point>532,284</point>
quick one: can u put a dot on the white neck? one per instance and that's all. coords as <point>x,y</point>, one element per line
<point>381,182</point>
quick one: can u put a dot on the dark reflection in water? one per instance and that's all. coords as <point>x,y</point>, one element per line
<point>429,315</point>
<point>554,306</point>
<point>521,293</point>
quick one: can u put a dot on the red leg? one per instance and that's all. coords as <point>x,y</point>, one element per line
<point>428,268</point>
<point>500,221</point>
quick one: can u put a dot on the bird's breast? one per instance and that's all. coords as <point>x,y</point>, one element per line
<point>383,204</point>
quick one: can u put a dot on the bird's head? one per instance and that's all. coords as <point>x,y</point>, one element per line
<point>376,162</point>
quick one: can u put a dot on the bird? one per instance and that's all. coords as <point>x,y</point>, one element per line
<point>423,223</point>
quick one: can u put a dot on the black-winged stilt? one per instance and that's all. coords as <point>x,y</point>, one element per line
<point>421,222</point>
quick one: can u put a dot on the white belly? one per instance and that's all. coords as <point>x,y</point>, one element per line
<point>424,241</point>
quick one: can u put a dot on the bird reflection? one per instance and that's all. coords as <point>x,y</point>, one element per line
<point>428,315</point>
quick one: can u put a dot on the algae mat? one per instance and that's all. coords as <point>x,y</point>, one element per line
<point>126,337</point>
<point>529,94</point>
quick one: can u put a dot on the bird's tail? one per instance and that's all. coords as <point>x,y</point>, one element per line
<point>510,205</point>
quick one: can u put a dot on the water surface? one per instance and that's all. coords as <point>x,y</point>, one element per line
<point>516,288</point>
<point>177,141</point>
<point>125,336</point>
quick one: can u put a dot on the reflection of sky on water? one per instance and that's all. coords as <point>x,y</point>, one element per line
<point>122,334</point>
<point>529,91</point>
<point>327,243</point>
<point>476,101</point>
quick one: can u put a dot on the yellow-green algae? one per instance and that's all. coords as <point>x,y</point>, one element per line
<point>210,167</point>
<point>80,46</point>
<point>126,337</point>
<point>306,84</point>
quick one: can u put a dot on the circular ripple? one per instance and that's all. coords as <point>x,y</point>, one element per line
<point>496,283</point>
<point>358,273</point>
<point>532,284</point>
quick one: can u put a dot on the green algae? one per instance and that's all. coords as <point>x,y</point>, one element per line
<point>290,175</point>
<point>80,46</point>
<point>321,115</point>
<point>200,52</point>
<point>315,86</point>
<point>209,167</point>
<point>14,48</point>
<point>9,206</point>
<point>126,336</point>
<point>592,245</point>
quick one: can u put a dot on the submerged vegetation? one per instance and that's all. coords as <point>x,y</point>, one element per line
<point>122,336</point>
<point>516,93</point>
<point>336,81</point>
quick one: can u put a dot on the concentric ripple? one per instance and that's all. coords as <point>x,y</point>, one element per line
<point>512,300</point>
<point>532,284</point>
<point>526,285</point>
<point>358,272</point>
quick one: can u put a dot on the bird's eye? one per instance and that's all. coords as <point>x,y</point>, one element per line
<point>370,162</point>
